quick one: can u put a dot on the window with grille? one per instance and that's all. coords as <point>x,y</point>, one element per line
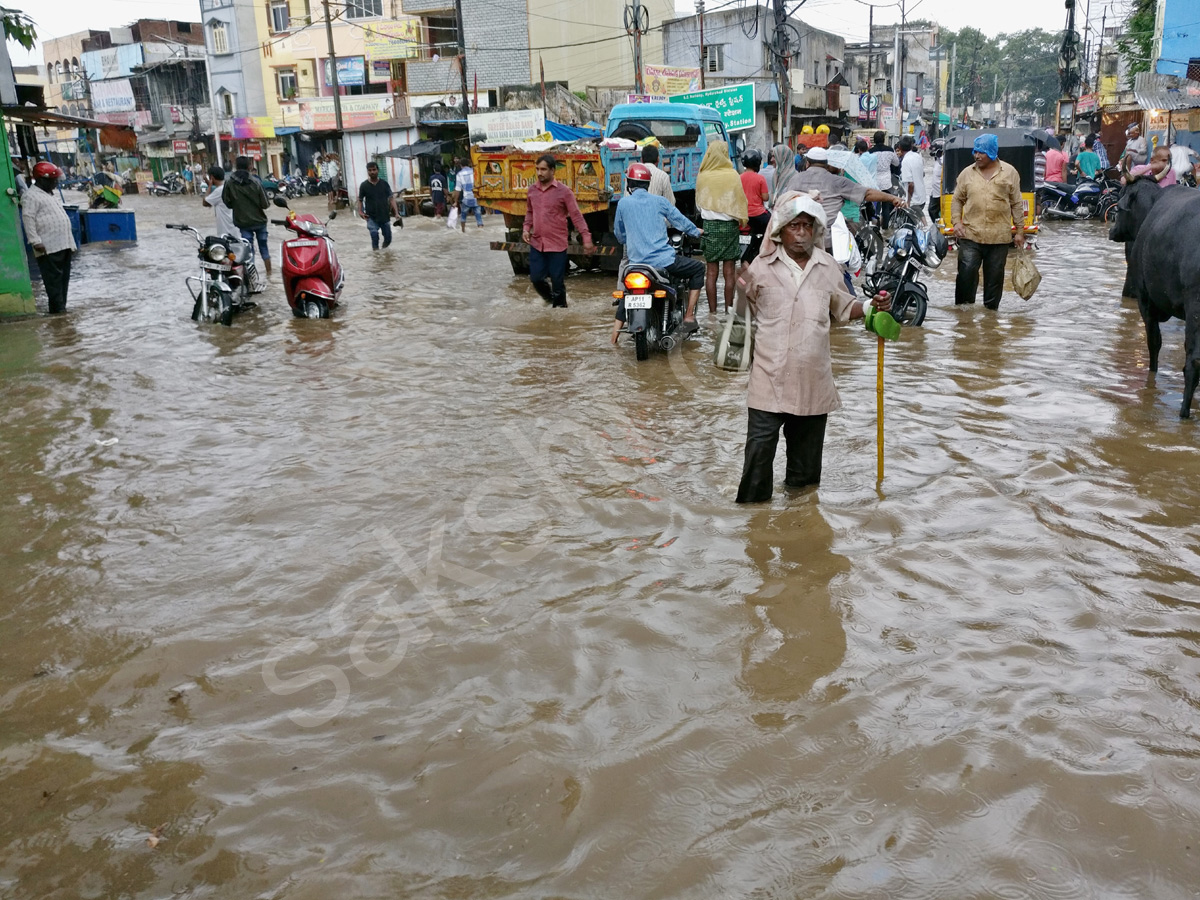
<point>286,81</point>
<point>281,17</point>
<point>1193,69</point>
<point>441,34</point>
<point>713,58</point>
<point>220,38</point>
<point>364,9</point>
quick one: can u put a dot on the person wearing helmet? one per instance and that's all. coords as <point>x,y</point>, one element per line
<point>755,186</point>
<point>641,225</point>
<point>48,230</point>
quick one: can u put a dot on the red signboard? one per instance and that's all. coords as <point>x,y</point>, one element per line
<point>253,149</point>
<point>180,147</point>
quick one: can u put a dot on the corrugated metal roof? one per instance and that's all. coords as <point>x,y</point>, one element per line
<point>1155,91</point>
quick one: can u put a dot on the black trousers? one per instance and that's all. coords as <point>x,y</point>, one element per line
<point>805,437</point>
<point>758,227</point>
<point>552,265</point>
<point>972,255</point>
<point>56,275</point>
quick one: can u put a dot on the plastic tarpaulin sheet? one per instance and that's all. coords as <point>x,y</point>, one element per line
<point>567,133</point>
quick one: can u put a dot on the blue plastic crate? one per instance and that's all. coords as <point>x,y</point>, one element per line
<point>109,225</point>
<point>76,224</point>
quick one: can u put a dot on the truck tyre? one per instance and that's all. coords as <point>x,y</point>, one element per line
<point>519,263</point>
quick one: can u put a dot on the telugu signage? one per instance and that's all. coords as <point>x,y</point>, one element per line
<point>667,80</point>
<point>318,115</point>
<point>397,39</point>
<point>734,102</point>
<point>252,127</point>
<point>506,127</point>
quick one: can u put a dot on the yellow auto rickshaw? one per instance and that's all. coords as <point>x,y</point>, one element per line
<point>1017,148</point>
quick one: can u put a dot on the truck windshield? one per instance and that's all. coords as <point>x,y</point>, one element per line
<point>667,130</point>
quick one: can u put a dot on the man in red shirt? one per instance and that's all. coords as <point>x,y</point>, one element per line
<point>550,205</point>
<point>755,187</point>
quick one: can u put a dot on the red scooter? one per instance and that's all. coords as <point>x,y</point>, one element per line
<point>312,275</point>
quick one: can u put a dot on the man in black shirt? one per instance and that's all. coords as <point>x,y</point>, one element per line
<point>377,205</point>
<point>437,191</point>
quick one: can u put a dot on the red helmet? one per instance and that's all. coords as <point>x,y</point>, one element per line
<point>637,172</point>
<point>46,170</point>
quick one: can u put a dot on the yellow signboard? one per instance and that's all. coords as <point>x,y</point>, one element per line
<point>669,80</point>
<point>395,39</point>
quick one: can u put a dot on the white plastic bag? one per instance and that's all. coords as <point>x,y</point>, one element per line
<point>452,219</point>
<point>845,248</point>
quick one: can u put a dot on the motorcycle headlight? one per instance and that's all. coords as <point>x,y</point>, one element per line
<point>218,252</point>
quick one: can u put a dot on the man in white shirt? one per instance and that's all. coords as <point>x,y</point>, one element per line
<point>1181,160</point>
<point>660,181</point>
<point>216,185</point>
<point>912,174</point>
<point>48,230</point>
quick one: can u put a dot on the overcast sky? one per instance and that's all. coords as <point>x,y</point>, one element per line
<point>845,17</point>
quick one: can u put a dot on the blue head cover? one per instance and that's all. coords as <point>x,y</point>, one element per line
<point>989,144</point>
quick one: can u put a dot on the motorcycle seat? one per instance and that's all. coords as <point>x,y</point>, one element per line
<point>1060,185</point>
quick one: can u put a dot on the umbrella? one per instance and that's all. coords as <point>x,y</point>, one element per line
<point>852,167</point>
<point>1046,137</point>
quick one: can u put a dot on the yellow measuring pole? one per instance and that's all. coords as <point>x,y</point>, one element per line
<point>879,407</point>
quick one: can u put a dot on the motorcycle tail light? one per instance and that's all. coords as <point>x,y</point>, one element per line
<point>660,294</point>
<point>618,294</point>
<point>636,281</point>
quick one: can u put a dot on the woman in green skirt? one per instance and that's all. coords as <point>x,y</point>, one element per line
<point>722,204</point>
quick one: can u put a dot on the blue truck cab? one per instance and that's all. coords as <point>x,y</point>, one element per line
<point>683,130</point>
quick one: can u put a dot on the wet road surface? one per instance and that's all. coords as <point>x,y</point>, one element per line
<point>446,597</point>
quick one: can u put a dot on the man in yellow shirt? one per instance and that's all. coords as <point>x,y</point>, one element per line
<point>988,214</point>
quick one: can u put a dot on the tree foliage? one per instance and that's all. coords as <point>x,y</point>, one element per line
<point>18,27</point>
<point>1022,65</point>
<point>1137,44</point>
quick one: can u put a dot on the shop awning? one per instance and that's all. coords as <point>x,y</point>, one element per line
<point>286,129</point>
<point>420,148</point>
<point>1154,91</point>
<point>155,137</point>
<point>44,118</point>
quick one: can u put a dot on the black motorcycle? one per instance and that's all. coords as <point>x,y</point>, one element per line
<point>654,303</point>
<point>895,265</point>
<point>227,277</point>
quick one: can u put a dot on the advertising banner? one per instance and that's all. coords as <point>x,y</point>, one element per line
<point>735,103</point>
<point>397,39</point>
<point>646,98</point>
<point>253,127</point>
<point>112,96</point>
<point>318,115</point>
<point>506,127</point>
<point>350,72</point>
<point>381,70</point>
<point>667,80</point>
<point>180,147</point>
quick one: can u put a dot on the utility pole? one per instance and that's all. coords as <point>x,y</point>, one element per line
<point>333,82</point>
<point>782,60</point>
<point>703,61</point>
<point>897,96</point>
<point>953,74</point>
<point>637,23</point>
<point>995,91</point>
<point>1100,56</point>
<point>462,56</point>
<point>937,91</point>
<point>870,53</point>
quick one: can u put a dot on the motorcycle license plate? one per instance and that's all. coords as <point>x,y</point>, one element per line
<point>216,267</point>
<point>744,240</point>
<point>638,301</point>
<point>303,243</point>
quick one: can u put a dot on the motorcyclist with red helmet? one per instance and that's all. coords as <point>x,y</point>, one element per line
<point>641,225</point>
<point>48,230</point>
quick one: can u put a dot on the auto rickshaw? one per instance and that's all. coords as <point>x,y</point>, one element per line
<point>1017,148</point>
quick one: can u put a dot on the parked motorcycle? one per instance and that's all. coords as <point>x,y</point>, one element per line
<point>227,277</point>
<point>896,266</point>
<point>312,275</point>
<point>654,303</point>
<point>1059,200</point>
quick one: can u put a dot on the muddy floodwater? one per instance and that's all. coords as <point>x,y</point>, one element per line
<point>447,598</point>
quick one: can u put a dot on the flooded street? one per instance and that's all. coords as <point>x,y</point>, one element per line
<point>446,597</point>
